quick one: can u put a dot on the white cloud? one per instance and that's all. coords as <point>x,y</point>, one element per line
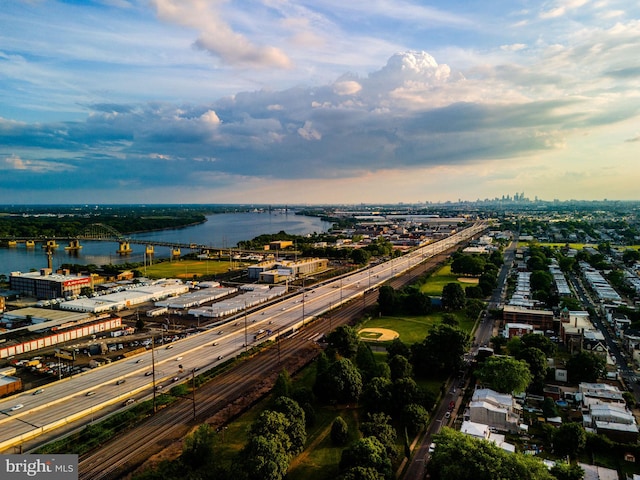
<point>514,47</point>
<point>216,36</point>
<point>347,87</point>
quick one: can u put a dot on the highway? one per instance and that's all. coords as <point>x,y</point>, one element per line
<point>66,401</point>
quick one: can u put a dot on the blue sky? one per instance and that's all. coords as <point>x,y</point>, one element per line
<point>318,101</point>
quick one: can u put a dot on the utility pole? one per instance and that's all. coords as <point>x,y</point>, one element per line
<point>245,326</point>
<point>193,391</point>
<point>153,373</point>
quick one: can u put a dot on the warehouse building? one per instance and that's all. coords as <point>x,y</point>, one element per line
<point>45,284</point>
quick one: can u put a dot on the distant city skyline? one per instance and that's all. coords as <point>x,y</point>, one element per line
<point>317,102</point>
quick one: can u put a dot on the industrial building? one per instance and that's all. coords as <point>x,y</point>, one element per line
<point>277,271</point>
<point>45,284</point>
<point>126,298</point>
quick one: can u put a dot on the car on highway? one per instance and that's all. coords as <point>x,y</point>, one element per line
<point>38,391</point>
<point>219,357</point>
<point>432,448</point>
<point>175,379</point>
<point>140,360</point>
<point>121,381</point>
<point>129,401</point>
<point>214,344</point>
<point>148,373</point>
<point>447,415</point>
<point>16,407</point>
<point>88,394</point>
<point>169,346</point>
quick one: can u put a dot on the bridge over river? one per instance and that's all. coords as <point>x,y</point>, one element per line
<point>105,233</point>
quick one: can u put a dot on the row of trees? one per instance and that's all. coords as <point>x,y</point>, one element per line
<point>461,457</point>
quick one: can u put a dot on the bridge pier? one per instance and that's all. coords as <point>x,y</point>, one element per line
<point>74,246</point>
<point>124,248</point>
<point>149,250</point>
<point>175,252</point>
<point>50,244</point>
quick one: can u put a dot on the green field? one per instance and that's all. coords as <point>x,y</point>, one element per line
<point>187,269</point>
<point>415,329</point>
<point>436,282</point>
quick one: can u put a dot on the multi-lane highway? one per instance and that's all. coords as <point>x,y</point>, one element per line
<point>87,395</point>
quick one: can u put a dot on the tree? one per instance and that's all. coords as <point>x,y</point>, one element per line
<point>387,300</point>
<point>366,362</point>
<point>273,426</point>
<point>404,392</point>
<point>539,341</point>
<point>538,367</point>
<point>282,386</point>
<point>585,367</point>
<point>414,417</point>
<point>505,374</point>
<point>367,452</point>
<point>341,383</point>
<point>441,351</point>
<point>453,297</point>
<point>462,457</point>
<point>567,471</point>
<point>377,395</point>
<point>378,425</point>
<point>463,264</point>
<point>549,408</point>
<point>416,303</point>
<point>339,431</point>
<point>569,439</point>
<point>295,425</point>
<point>400,367</point>
<point>630,256</point>
<point>264,458</point>
<point>344,340</point>
<point>197,450</point>
<point>398,347</point>
<point>360,256</point>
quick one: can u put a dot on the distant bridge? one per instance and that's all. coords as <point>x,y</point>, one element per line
<point>106,233</point>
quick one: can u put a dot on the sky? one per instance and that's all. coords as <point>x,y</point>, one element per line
<point>318,101</point>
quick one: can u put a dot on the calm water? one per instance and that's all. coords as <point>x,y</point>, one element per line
<point>220,230</point>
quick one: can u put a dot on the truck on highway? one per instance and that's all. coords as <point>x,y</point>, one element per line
<point>261,334</point>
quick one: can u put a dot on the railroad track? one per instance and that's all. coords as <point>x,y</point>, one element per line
<point>126,451</point>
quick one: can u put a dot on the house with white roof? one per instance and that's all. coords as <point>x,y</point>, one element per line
<point>497,410</point>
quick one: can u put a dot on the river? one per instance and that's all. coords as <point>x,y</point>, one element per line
<point>220,230</point>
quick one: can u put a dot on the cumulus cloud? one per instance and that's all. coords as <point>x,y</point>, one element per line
<point>412,113</point>
<point>216,36</point>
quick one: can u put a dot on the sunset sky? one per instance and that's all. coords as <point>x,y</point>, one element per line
<point>318,101</point>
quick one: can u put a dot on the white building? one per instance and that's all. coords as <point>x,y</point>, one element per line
<point>498,410</point>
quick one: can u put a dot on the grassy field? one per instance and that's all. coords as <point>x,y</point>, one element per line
<point>187,269</point>
<point>433,287</point>
<point>415,329</point>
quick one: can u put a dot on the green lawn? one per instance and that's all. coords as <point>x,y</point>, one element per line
<point>415,329</point>
<point>436,282</point>
<point>186,269</point>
